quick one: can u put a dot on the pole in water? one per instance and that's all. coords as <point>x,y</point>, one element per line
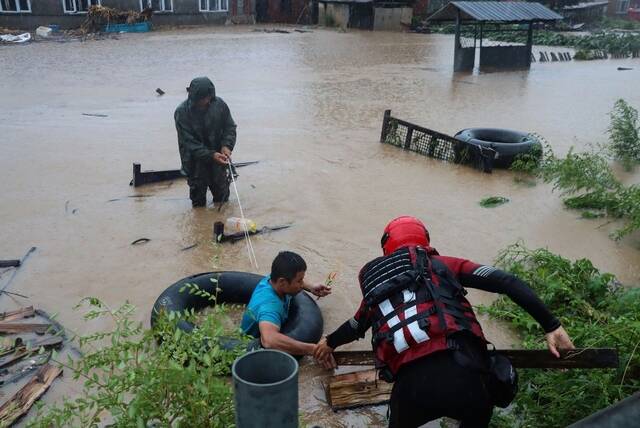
<point>218,231</point>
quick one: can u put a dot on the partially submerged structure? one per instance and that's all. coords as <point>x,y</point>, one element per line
<point>476,21</point>
<point>365,14</point>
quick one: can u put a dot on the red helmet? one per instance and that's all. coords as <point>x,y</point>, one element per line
<point>402,232</point>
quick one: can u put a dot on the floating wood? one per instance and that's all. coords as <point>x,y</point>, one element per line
<point>21,351</point>
<point>583,358</point>
<point>16,263</point>
<point>20,403</point>
<point>356,390</point>
<point>12,328</point>
<point>145,177</point>
<point>17,314</point>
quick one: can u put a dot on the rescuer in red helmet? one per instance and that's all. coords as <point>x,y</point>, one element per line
<point>425,335</point>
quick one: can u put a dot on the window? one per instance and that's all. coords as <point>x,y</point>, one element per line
<point>214,5</point>
<point>157,5</point>
<point>622,7</point>
<point>15,6</point>
<point>79,6</point>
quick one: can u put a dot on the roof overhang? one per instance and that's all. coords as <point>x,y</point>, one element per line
<point>494,11</point>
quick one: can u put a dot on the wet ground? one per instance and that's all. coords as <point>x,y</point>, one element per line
<point>309,107</point>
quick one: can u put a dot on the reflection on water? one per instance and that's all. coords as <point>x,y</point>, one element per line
<point>309,108</point>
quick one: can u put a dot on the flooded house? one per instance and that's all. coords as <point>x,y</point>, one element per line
<point>365,14</point>
<point>29,14</point>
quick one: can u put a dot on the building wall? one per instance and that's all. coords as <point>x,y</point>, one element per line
<point>392,18</point>
<point>284,11</point>
<point>185,12</point>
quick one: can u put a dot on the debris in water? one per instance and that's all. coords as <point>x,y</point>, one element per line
<point>624,68</point>
<point>140,241</point>
<point>493,201</point>
<point>15,272</point>
<point>160,91</point>
<point>95,115</point>
<point>20,403</point>
<point>189,247</point>
<point>9,263</point>
<point>272,30</point>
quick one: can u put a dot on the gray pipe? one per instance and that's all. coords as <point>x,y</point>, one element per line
<point>265,385</point>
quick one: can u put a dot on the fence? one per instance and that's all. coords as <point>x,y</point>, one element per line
<point>434,144</point>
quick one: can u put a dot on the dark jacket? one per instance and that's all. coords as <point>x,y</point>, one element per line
<point>201,133</point>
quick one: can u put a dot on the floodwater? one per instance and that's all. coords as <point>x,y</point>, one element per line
<point>309,107</point>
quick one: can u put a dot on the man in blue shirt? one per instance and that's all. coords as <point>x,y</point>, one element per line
<point>268,308</point>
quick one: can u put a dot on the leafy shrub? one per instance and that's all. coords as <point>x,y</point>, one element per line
<point>130,380</point>
<point>596,311</point>
<point>624,134</point>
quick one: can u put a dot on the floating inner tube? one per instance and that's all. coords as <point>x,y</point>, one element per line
<point>304,322</point>
<point>506,143</point>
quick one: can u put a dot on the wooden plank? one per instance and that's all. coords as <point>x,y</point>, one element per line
<point>20,403</point>
<point>356,390</point>
<point>583,358</point>
<point>17,314</point>
<point>11,328</point>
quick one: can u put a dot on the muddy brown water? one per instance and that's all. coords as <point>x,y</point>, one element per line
<point>309,108</point>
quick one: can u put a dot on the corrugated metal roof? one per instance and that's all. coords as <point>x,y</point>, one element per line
<point>495,11</point>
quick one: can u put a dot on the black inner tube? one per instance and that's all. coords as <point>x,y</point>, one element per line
<point>304,322</point>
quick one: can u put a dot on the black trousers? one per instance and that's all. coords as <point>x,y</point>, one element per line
<point>208,175</point>
<point>435,386</point>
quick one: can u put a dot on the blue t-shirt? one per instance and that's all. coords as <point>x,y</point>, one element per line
<point>265,305</point>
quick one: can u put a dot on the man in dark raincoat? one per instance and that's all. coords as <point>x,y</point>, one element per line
<point>206,138</point>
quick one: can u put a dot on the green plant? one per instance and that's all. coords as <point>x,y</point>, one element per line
<point>529,162</point>
<point>624,134</point>
<point>596,311</point>
<point>392,136</point>
<point>493,201</point>
<point>130,380</point>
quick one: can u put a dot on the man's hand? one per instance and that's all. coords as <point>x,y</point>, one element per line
<point>226,151</point>
<point>323,354</point>
<point>220,158</point>
<point>557,340</point>
<point>319,290</point>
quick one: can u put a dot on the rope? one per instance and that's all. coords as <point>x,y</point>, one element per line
<point>251,253</point>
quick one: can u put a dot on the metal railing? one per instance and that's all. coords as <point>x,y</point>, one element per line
<point>433,144</point>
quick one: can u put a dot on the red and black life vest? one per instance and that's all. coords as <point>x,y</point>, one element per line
<point>415,304</point>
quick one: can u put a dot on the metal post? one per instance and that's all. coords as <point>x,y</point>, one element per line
<point>407,138</point>
<point>385,125</point>
<point>529,43</point>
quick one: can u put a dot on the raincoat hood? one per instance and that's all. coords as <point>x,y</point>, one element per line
<point>199,88</point>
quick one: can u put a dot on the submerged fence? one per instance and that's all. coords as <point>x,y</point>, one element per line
<point>433,144</point>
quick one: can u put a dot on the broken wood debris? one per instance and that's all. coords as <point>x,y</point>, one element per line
<point>95,115</point>
<point>582,358</point>
<point>357,389</point>
<point>22,369</point>
<point>20,403</point>
<point>12,328</point>
<point>160,92</point>
<point>22,350</point>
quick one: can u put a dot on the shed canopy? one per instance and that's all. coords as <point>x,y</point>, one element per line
<point>495,11</point>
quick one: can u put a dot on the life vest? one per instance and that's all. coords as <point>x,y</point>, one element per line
<point>415,304</point>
